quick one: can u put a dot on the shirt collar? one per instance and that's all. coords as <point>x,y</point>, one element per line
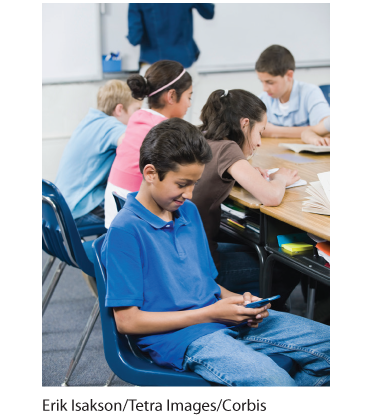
<point>138,209</point>
<point>294,101</point>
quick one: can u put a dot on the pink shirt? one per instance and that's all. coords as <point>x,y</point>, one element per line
<point>125,171</point>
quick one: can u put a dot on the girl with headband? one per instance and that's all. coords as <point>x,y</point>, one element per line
<point>233,122</point>
<point>168,87</point>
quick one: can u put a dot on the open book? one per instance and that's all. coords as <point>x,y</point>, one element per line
<point>320,198</point>
<point>306,147</point>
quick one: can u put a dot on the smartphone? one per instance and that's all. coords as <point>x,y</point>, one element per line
<point>262,302</point>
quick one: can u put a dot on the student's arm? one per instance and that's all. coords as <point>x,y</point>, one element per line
<point>230,310</point>
<point>135,26</point>
<point>120,140</point>
<point>270,193</point>
<point>316,135</point>
<point>274,131</point>
<point>205,10</point>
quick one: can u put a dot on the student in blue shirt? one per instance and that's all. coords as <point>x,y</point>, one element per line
<point>291,105</point>
<point>86,161</point>
<point>161,281</point>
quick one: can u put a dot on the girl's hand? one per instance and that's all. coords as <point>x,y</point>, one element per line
<point>231,311</point>
<point>286,175</point>
<point>264,173</point>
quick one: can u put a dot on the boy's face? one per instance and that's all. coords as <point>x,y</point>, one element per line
<point>276,86</point>
<point>176,187</point>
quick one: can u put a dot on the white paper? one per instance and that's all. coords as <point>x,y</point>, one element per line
<point>297,183</point>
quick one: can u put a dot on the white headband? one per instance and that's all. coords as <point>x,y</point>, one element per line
<point>225,93</point>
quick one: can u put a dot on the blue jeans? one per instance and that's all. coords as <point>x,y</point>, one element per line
<point>95,217</point>
<point>239,269</point>
<point>238,356</point>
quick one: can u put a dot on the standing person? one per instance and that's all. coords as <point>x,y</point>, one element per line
<point>88,156</point>
<point>168,87</point>
<point>233,122</point>
<point>165,31</point>
<point>291,105</point>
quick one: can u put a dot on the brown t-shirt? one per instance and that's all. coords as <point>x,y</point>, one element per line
<point>214,187</point>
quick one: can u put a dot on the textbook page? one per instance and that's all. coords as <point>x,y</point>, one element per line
<point>325,179</point>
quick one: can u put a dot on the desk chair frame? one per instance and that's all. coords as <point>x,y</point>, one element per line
<point>65,251</point>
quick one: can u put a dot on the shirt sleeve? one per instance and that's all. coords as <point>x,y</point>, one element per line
<point>227,155</point>
<point>121,256</point>
<point>327,124</point>
<point>317,105</point>
<point>135,24</point>
<point>114,131</point>
<point>205,10</point>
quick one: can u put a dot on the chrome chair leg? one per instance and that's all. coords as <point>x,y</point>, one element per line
<point>110,379</point>
<point>53,284</point>
<point>47,267</point>
<point>83,341</point>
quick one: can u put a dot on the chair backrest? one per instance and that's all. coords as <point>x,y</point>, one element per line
<point>119,200</point>
<point>326,89</point>
<point>129,366</point>
<point>60,235</point>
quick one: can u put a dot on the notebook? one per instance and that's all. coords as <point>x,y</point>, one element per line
<point>306,147</point>
<point>320,199</point>
<point>298,183</point>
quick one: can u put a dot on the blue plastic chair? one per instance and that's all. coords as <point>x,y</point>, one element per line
<point>128,362</point>
<point>326,89</point>
<point>61,239</point>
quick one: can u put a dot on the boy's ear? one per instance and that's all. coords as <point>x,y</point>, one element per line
<point>289,74</point>
<point>149,173</point>
<point>118,110</point>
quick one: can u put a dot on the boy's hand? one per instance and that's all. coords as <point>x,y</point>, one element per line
<point>248,298</point>
<point>264,173</point>
<point>232,311</point>
<point>286,175</point>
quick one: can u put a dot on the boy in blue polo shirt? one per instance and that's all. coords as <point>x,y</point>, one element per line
<point>87,159</point>
<point>161,281</point>
<point>291,105</point>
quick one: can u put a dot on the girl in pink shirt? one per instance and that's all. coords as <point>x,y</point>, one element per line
<point>168,87</point>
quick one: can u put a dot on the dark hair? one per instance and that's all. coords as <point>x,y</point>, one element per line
<point>171,143</point>
<point>275,60</point>
<point>221,116</point>
<point>159,75</point>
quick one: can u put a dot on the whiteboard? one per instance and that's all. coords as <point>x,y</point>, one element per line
<point>71,42</point>
<point>238,33</point>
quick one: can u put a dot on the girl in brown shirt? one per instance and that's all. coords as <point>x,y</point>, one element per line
<point>233,122</point>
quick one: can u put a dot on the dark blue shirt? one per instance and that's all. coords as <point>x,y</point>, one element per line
<point>161,266</point>
<point>165,30</point>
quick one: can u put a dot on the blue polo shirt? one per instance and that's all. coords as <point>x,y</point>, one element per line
<point>161,266</point>
<point>86,161</point>
<point>307,106</point>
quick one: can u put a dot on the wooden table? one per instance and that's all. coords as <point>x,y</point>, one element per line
<point>288,216</point>
<point>289,211</point>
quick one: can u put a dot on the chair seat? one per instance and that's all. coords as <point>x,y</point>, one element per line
<point>89,251</point>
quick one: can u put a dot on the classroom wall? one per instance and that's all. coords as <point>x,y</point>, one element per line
<point>64,105</point>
